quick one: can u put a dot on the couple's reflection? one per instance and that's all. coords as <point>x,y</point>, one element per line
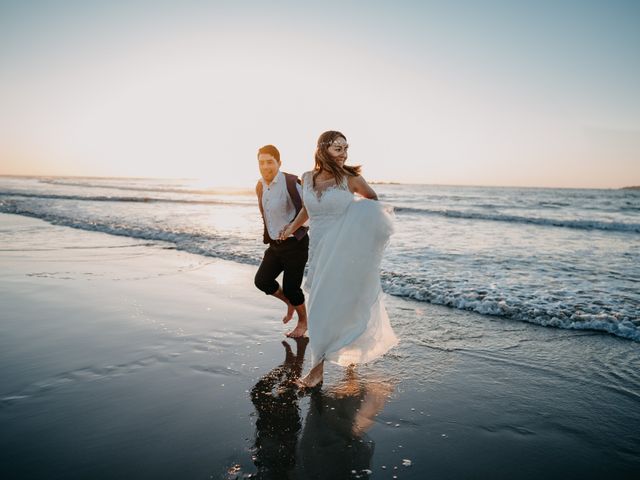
<point>333,442</point>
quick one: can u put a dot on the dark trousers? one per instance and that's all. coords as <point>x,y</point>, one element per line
<point>289,256</point>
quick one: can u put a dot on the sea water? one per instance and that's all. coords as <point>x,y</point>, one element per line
<point>567,258</point>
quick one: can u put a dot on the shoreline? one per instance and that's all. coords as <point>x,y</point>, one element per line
<point>121,357</point>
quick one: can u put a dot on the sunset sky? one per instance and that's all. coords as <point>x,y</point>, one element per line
<point>540,93</point>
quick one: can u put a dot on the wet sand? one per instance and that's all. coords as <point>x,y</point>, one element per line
<point>126,359</point>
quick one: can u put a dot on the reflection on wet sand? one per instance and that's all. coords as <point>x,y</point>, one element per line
<point>278,420</point>
<point>334,442</point>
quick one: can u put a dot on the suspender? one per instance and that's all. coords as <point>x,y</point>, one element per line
<point>290,181</point>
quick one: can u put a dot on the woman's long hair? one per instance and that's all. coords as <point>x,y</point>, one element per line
<point>326,163</point>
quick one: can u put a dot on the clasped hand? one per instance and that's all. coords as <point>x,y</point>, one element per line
<point>285,232</point>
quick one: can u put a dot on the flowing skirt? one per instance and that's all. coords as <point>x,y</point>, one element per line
<point>348,322</point>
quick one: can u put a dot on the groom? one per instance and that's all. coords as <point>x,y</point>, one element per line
<point>280,200</point>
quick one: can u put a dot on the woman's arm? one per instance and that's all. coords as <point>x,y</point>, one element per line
<point>360,186</point>
<point>288,230</point>
<point>297,222</point>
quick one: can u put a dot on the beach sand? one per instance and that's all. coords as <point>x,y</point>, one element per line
<point>121,358</point>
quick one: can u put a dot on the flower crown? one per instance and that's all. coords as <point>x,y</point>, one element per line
<point>333,141</point>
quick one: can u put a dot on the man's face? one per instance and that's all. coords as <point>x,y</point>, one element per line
<point>269,166</point>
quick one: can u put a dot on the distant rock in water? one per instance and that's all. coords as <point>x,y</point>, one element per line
<point>635,187</point>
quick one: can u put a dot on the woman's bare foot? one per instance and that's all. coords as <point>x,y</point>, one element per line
<point>299,331</point>
<point>313,378</point>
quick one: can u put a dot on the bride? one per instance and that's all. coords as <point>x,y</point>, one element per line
<point>348,323</point>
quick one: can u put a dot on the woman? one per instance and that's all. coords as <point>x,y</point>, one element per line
<point>348,323</point>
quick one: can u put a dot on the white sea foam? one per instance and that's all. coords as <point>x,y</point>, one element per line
<point>201,244</point>
<point>624,323</point>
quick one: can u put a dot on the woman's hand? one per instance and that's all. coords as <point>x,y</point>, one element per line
<point>297,222</point>
<point>285,232</point>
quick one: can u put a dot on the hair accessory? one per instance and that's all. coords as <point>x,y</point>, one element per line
<point>342,142</point>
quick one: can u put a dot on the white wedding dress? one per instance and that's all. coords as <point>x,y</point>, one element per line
<point>348,322</point>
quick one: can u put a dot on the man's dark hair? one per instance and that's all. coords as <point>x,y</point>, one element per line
<point>270,150</point>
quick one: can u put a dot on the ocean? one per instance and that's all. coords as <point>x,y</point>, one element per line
<point>565,258</point>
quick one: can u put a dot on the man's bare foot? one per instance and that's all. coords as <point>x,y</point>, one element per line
<point>290,308</point>
<point>289,315</point>
<point>299,331</point>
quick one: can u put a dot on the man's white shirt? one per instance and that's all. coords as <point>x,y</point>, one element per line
<point>278,207</point>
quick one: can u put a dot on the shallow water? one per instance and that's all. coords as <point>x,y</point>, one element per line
<point>558,257</point>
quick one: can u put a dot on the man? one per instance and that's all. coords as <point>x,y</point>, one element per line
<point>280,200</point>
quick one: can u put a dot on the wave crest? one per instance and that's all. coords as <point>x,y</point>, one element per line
<point>586,224</point>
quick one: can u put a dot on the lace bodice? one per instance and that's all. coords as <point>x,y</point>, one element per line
<point>327,198</point>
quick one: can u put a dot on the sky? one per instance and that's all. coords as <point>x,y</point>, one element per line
<point>528,93</point>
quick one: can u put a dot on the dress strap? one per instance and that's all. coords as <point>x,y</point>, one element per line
<point>345,182</point>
